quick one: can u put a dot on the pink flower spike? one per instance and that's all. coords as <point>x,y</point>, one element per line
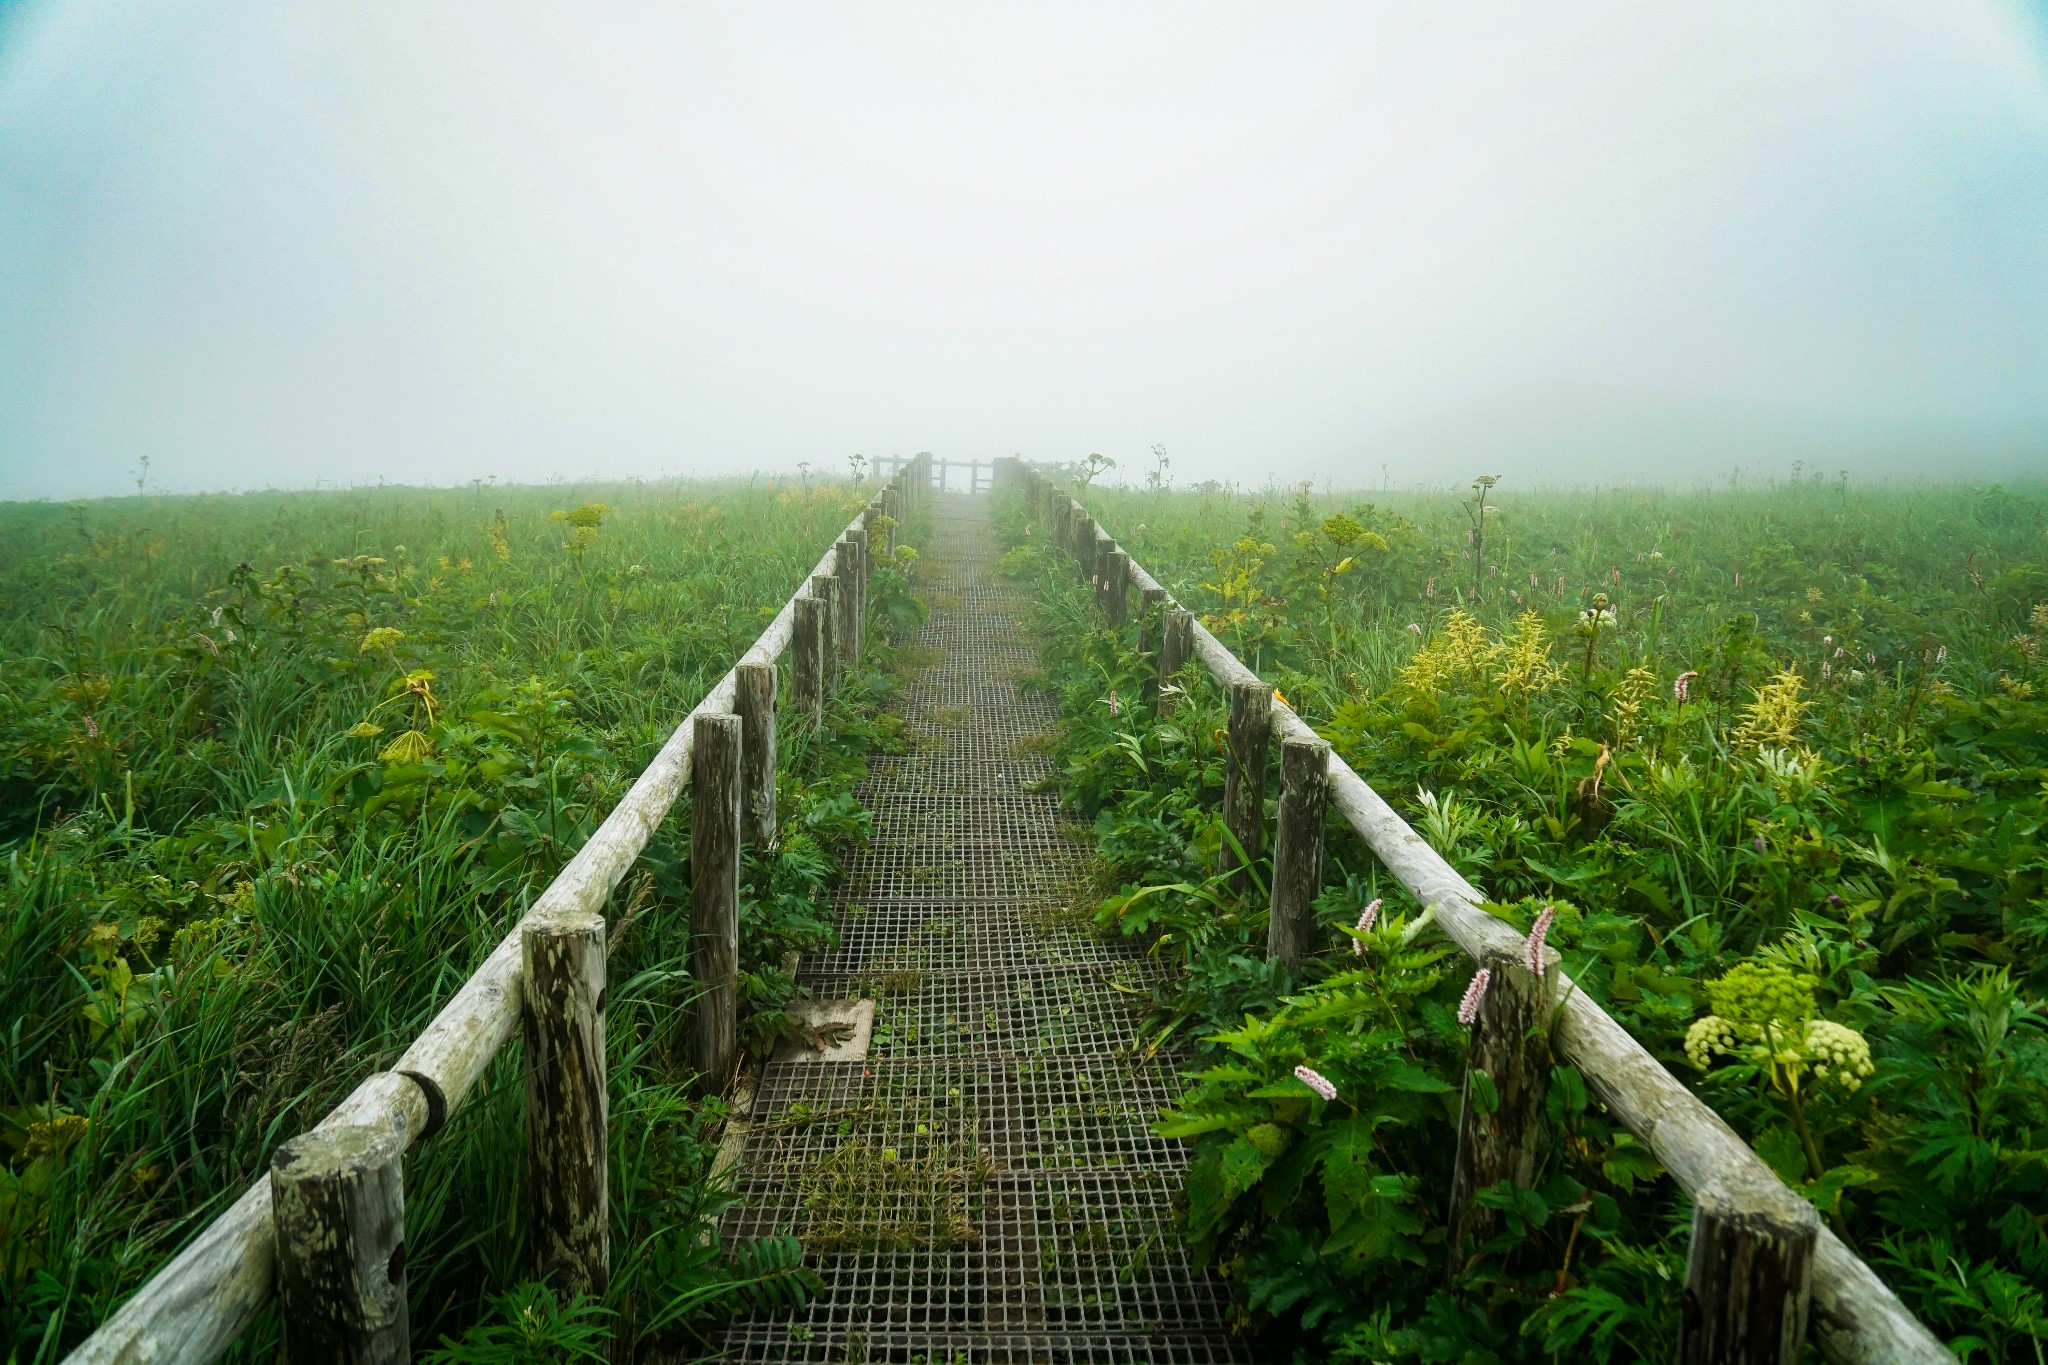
<point>1538,931</point>
<point>1681,687</point>
<point>1468,1008</point>
<point>1365,923</point>
<point>1314,1081</point>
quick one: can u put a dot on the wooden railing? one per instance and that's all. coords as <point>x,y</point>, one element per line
<point>324,1231</point>
<point>1763,1271</point>
<point>980,473</point>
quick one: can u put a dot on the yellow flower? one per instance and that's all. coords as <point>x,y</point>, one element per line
<point>1773,718</point>
<point>383,637</point>
<point>410,747</point>
<point>364,729</point>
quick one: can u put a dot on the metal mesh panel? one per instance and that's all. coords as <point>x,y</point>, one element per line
<point>986,1186</point>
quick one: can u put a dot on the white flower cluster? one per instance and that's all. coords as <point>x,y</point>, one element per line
<point>1709,1035</point>
<point>1597,618</point>
<point>1838,1054</point>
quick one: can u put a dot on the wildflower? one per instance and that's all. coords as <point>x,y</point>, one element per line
<point>1614,576</point>
<point>1681,686</point>
<point>1827,671</point>
<point>1813,594</point>
<point>1429,589</point>
<point>382,637</point>
<point>1773,717</point>
<point>1532,951</point>
<point>1839,1054</point>
<point>1116,706</point>
<point>1415,630</point>
<point>1468,1008</point>
<point>216,618</point>
<point>1941,655</point>
<point>1710,1034</point>
<point>1560,585</point>
<point>365,729</point>
<point>2038,617</point>
<point>1315,1081</point>
<point>1365,923</point>
<point>1533,583</point>
<point>92,728</point>
<point>1827,640</point>
<point>1738,578</point>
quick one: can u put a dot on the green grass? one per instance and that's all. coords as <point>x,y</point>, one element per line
<point>1848,801</point>
<point>278,770</point>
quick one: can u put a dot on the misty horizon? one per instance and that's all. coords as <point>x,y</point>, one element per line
<point>1367,248</point>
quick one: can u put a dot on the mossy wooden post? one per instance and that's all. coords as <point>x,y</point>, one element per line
<point>568,1225</point>
<point>715,896</point>
<point>1116,587</point>
<point>807,658</point>
<point>754,699</point>
<point>1244,782</point>
<point>1507,1070</point>
<point>1298,848</point>
<point>338,1204</point>
<point>825,587</point>
<point>1176,643</point>
<point>1062,523</point>
<point>1084,546</point>
<point>1749,1275</point>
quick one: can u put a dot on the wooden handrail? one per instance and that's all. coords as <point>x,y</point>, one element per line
<point>1856,1319</point>
<point>195,1306</point>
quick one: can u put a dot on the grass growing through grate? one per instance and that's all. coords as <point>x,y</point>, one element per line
<point>867,1197</point>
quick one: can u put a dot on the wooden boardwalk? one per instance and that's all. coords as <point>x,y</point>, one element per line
<point>983,1185</point>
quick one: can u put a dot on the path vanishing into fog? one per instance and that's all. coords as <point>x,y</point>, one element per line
<point>981,1185</point>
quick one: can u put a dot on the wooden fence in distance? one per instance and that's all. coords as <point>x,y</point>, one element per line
<point>981,474</point>
<point>324,1232</point>
<point>1763,1271</point>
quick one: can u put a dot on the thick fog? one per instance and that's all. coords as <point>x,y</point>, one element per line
<point>288,244</point>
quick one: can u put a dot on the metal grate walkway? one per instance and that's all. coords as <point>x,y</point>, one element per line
<point>984,1188</point>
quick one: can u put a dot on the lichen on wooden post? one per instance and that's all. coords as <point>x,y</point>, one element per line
<point>825,587</point>
<point>1749,1274</point>
<point>754,700</point>
<point>1176,644</point>
<point>1507,1071</point>
<point>865,572</point>
<point>568,1226</point>
<point>715,896</point>
<point>338,1205</point>
<point>1244,783</point>
<point>807,659</point>
<point>846,629</point>
<point>1298,849</point>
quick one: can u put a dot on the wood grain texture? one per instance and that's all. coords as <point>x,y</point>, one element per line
<point>807,660</point>
<point>715,901</point>
<point>568,1226</point>
<point>338,1201</point>
<point>1748,1275</point>
<point>1244,782</point>
<point>1507,1073</point>
<point>1298,849</point>
<point>825,587</point>
<point>754,701</point>
<point>1176,642</point>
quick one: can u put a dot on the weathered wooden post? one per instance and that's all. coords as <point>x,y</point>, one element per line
<point>1062,524</point>
<point>338,1204</point>
<point>1116,588</point>
<point>754,700</point>
<point>1176,644</point>
<point>568,1223</point>
<point>1507,1070</point>
<point>715,896</point>
<point>1749,1275</point>
<point>846,629</point>
<point>807,658</point>
<point>825,587</point>
<point>866,571</point>
<point>1098,568</point>
<point>1084,546</point>
<point>1150,600</point>
<point>1298,848</point>
<point>1244,782</point>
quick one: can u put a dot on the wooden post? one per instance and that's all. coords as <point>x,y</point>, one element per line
<point>568,1223</point>
<point>338,1201</point>
<point>1176,644</point>
<point>846,629</point>
<point>1116,588</point>
<point>1244,783</point>
<point>860,592</point>
<point>1507,1069</point>
<point>1749,1275</point>
<point>754,699</point>
<point>715,897</point>
<point>1098,569</point>
<point>1149,603</point>
<point>1084,547</point>
<point>807,658</point>
<point>1298,848</point>
<point>825,587</point>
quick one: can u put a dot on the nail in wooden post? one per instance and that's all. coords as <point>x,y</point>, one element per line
<point>1749,1275</point>
<point>1176,643</point>
<point>338,1206</point>
<point>1244,783</point>
<point>1507,1070</point>
<point>825,587</point>
<point>807,658</point>
<point>715,896</point>
<point>568,1225</point>
<point>1298,848</point>
<point>754,699</point>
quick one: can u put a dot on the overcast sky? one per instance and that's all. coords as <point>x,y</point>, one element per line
<point>286,243</point>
